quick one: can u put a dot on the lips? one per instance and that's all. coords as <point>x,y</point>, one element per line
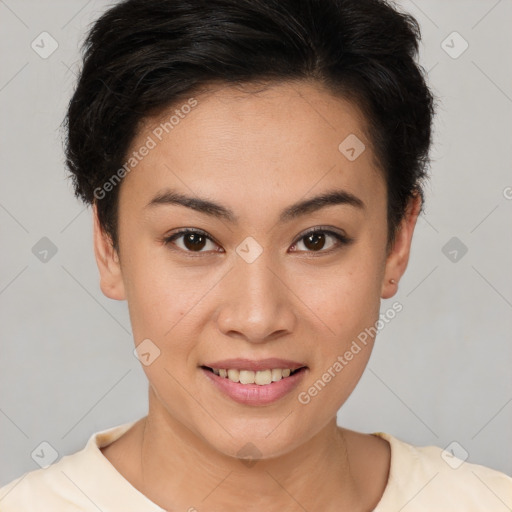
<point>261,394</point>
<point>251,364</point>
<point>241,379</point>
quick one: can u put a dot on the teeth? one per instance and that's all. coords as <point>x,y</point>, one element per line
<point>261,377</point>
<point>246,377</point>
<point>277,375</point>
<point>233,375</point>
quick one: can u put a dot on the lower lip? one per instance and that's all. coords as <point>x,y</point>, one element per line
<point>254,394</point>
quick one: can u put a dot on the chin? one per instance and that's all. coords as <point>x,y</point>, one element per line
<point>253,439</point>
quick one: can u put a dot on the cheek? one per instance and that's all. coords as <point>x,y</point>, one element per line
<point>344,298</point>
<point>343,347</point>
<point>158,296</point>
<point>161,306</point>
<point>346,304</point>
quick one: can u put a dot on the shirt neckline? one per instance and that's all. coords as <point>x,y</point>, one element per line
<point>101,476</point>
<point>132,499</point>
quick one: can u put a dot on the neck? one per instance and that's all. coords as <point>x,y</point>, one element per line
<point>180,471</point>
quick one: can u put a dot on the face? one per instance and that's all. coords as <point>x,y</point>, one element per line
<point>254,276</point>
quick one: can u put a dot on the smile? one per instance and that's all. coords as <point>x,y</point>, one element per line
<point>261,377</point>
<point>254,388</point>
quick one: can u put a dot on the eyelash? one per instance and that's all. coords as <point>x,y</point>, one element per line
<point>342,240</point>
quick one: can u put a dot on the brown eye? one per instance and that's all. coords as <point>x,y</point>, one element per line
<point>317,240</point>
<point>191,241</point>
<point>194,241</point>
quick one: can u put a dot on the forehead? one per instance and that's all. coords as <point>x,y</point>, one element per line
<point>255,147</point>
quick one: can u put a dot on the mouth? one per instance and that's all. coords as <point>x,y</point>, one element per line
<point>254,387</point>
<point>258,377</point>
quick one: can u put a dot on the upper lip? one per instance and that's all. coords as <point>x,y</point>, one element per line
<point>251,364</point>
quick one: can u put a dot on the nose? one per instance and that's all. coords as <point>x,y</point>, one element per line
<point>257,302</point>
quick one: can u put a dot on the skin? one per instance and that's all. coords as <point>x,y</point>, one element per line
<point>255,152</point>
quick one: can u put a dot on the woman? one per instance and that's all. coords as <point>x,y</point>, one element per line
<point>255,170</point>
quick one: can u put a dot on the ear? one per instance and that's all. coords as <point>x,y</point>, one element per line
<point>107,259</point>
<point>398,256</point>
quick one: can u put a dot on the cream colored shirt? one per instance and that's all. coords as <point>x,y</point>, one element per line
<point>421,479</point>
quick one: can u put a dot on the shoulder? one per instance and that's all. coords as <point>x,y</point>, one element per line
<point>83,481</point>
<point>50,487</point>
<point>423,477</point>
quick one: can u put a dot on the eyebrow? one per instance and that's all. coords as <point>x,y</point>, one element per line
<point>298,209</point>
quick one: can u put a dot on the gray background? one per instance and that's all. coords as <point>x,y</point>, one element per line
<point>440,371</point>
